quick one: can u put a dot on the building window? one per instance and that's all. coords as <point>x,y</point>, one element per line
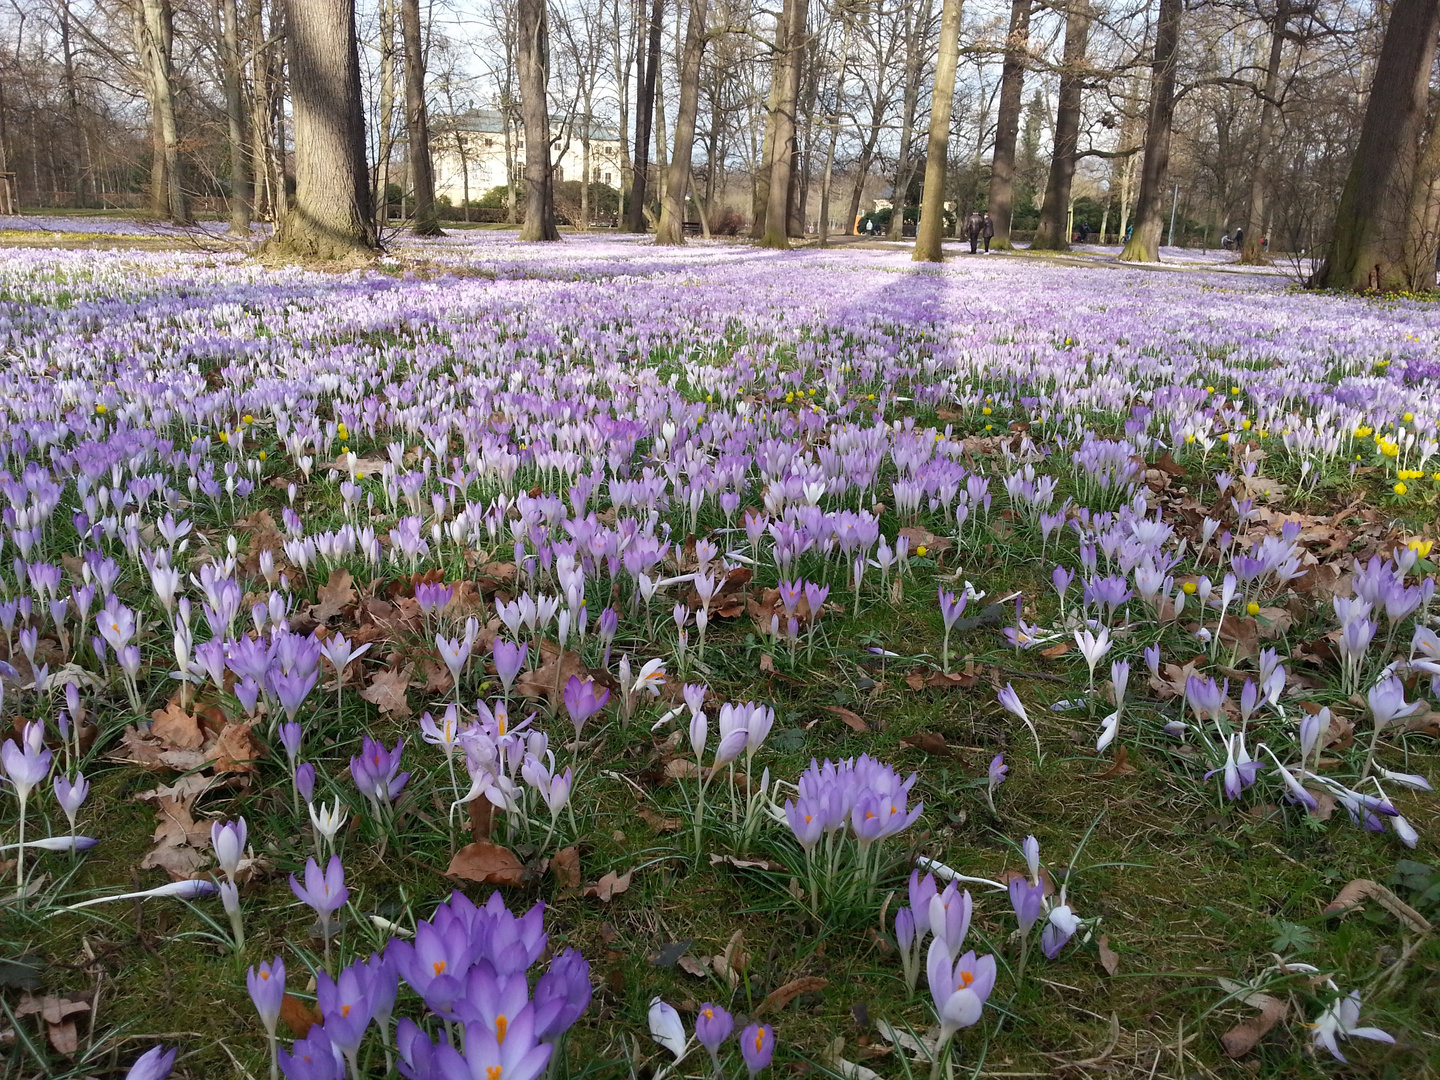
<point>559,175</point>
<point>607,178</point>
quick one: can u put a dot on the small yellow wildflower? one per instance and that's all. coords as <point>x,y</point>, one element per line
<point>986,411</point>
<point>1421,547</point>
<point>1252,608</point>
<point>100,409</point>
<point>1189,588</point>
<point>224,436</point>
<point>1400,488</point>
<point>262,455</point>
<point>247,419</point>
<point>920,550</point>
<point>1408,417</point>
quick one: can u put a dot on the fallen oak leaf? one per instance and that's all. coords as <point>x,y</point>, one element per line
<point>852,720</point>
<point>486,863</point>
<point>1244,1036</point>
<point>784,995</point>
<point>565,865</point>
<point>929,742</point>
<point>387,691</point>
<point>1120,766</point>
<point>658,822</point>
<point>334,596</point>
<point>744,864</point>
<point>177,727</point>
<point>1109,958</point>
<point>609,886</point>
<point>1352,898</point>
<point>298,1016</point>
<point>236,750</point>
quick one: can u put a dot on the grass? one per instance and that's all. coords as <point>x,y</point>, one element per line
<point>1189,889</point>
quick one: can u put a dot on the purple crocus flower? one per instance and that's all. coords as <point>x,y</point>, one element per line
<point>290,735</point>
<point>1026,900</point>
<point>958,988</point>
<point>713,1026</point>
<point>1059,928</point>
<point>582,702</point>
<point>949,916</point>
<point>266,984</point>
<point>346,1007</point>
<point>154,1064</point>
<point>293,688</point>
<point>435,964</point>
<point>376,771</point>
<point>562,995</point>
<point>757,1047</point>
<point>509,659</point>
<point>314,1057</point>
<point>70,796</point>
<point>324,891</point>
<point>305,781</point>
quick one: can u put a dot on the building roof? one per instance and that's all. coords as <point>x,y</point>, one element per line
<point>491,122</point>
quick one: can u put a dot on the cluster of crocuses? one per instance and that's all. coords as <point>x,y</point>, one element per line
<point>470,965</point>
<point>25,763</point>
<point>840,815</point>
<point>713,1028</point>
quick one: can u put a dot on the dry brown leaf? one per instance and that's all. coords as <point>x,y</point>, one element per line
<point>659,822</point>
<point>1050,652</point>
<point>299,1017</point>
<point>549,679</point>
<point>1352,898</point>
<point>610,885</point>
<point>852,720</point>
<point>691,966</point>
<point>179,862</point>
<point>236,750</point>
<point>918,537</point>
<point>175,726</point>
<point>487,863</point>
<point>63,1037</point>
<point>53,1008</point>
<point>680,768</point>
<point>482,818</point>
<point>1109,958</point>
<point>784,995</point>
<point>387,691</point>
<point>565,865</point>
<point>1120,766</point>
<point>334,596</point>
<point>935,679</point>
<point>1243,1037</point>
<point>930,742</point>
<point>438,679</point>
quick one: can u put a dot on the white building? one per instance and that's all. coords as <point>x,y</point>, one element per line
<point>471,146</point>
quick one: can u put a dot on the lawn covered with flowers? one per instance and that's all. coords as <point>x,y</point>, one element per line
<point>595,660</point>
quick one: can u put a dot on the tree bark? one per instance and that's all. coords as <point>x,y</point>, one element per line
<point>1053,231</point>
<point>930,228</point>
<point>760,197</point>
<point>332,216</point>
<point>1144,243</point>
<point>385,144</point>
<point>646,71</point>
<point>1007,123</point>
<point>231,63</point>
<point>672,211</point>
<point>417,122</point>
<point>1269,113</point>
<point>1367,249</point>
<point>622,83</point>
<point>915,23</point>
<point>84,180</point>
<point>159,33</point>
<point>534,53</point>
<point>777,204</point>
<point>824,227</point>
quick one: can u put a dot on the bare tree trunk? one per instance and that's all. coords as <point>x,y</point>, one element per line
<point>760,196</point>
<point>332,217</point>
<point>417,122</point>
<point>672,211</point>
<point>916,21</point>
<point>777,207</point>
<point>1052,232</point>
<point>159,189</point>
<point>534,54</point>
<point>622,83</point>
<point>662,165</point>
<point>385,144</point>
<point>646,73</point>
<point>1423,216</point>
<point>824,227</point>
<point>159,37</point>
<point>1144,244</point>
<point>235,117</point>
<point>1371,230</point>
<point>932,208</point>
<point>1269,113</point>
<point>1007,123</point>
<point>84,182</point>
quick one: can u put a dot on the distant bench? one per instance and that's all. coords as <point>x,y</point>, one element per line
<point>690,228</point>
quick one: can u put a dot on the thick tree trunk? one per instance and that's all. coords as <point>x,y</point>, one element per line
<point>1144,243</point>
<point>231,62</point>
<point>622,82</point>
<point>760,196</point>
<point>534,53</point>
<point>417,122</point>
<point>932,206</point>
<point>824,228</point>
<point>386,142</point>
<point>1269,113</point>
<point>1007,123</point>
<point>84,181</point>
<point>331,217</point>
<point>1053,230</point>
<point>661,172</point>
<point>777,204</point>
<point>646,72</point>
<point>1367,249</point>
<point>159,37</point>
<point>1422,241</point>
<point>672,211</point>
<point>916,19</point>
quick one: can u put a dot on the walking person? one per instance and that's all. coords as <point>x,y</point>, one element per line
<point>974,226</point>
<point>987,230</point>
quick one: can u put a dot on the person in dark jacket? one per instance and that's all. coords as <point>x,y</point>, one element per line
<point>1239,239</point>
<point>987,230</point>
<point>974,226</point>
